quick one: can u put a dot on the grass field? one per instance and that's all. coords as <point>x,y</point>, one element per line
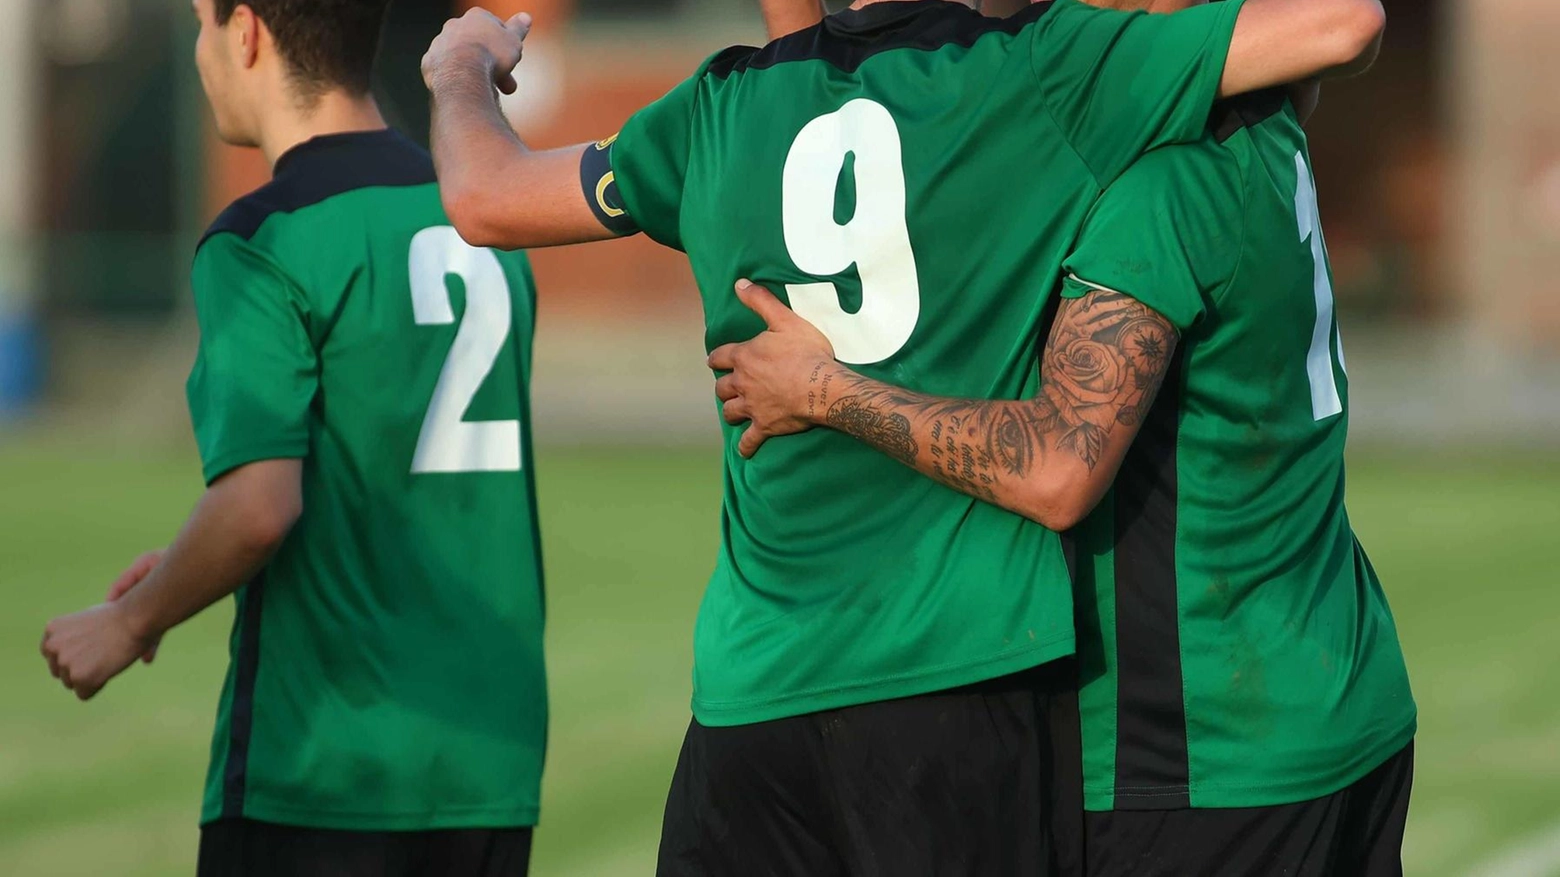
<point>112,787</point>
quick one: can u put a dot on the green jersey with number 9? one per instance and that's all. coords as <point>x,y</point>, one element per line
<point>909,177</point>
<point>386,666</point>
<point>1235,644</point>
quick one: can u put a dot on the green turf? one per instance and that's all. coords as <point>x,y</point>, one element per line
<point>113,786</point>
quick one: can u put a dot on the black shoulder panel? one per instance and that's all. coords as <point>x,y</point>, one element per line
<point>323,168</point>
<point>1233,115</point>
<point>847,39</point>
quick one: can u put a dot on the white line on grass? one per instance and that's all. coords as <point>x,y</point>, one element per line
<point>1537,856</point>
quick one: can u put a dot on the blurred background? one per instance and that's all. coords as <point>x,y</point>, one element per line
<point>1439,176</point>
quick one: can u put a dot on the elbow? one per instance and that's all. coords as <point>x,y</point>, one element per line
<point>471,211</point>
<point>1358,32</point>
<point>1062,516</point>
<point>267,527</point>
<point>1058,505</point>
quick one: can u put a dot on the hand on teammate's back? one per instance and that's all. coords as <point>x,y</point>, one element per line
<point>479,38</point>
<point>778,379</point>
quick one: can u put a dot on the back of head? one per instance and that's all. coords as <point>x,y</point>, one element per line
<point>326,44</point>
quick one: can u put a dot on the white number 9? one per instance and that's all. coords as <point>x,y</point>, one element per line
<point>876,240</point>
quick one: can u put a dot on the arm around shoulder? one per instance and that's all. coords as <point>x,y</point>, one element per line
<point>496,191</point>
<point>1281,41</point>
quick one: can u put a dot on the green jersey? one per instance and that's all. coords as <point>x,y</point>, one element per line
<point>909,177</point>
<point>386,667</point>
<point>1235,645</point>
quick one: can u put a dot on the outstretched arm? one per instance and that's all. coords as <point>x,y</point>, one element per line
<point>1049,458</point>
<point>783,17</point>
<point>1281,41</point>
<point>496,191</point>
<point>235,528</point>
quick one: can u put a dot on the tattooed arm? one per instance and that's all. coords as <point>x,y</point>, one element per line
<point>1049,458</point>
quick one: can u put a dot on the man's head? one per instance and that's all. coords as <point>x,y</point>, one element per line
<point>266,56</point>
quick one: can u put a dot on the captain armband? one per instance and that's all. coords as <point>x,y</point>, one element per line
<point>601,189</point>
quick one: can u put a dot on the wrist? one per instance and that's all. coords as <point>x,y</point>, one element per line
<point>138,618</point>
<point>462,67</point>
<point>824,384</point>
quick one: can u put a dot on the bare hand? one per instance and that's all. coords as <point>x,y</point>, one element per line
<point>479,38</point>
<point>779,381</point>
<point>131,577</point>
<point>89,648</point>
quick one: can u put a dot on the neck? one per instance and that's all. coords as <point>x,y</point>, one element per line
<point>335,112</point>
<point>974,4</point>
<point>1146,5</point>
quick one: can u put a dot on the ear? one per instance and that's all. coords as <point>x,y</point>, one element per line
<point>244,30</point>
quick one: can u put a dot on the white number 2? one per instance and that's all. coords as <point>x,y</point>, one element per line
<point>450,443</point>
<point>876,240</point>
<point>1325,401</point>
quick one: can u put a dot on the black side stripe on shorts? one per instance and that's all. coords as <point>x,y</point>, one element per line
<point>235,778</point>
<point>1151,756</point>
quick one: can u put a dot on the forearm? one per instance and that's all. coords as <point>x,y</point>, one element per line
<point>1008,453</point>
<point>1050,458</point>
<point>496,191</point>
<point>228,539</point>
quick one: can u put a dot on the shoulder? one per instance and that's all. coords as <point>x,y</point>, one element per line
<point>322,169</point>
<point>1199,183</point>
<point>230,267</point>
<point>243,218</point>
<point>1183,204</point>
<point>1067,19</point>
<point>844,42</point>
<point>228,255</point>
<point>735,59</point>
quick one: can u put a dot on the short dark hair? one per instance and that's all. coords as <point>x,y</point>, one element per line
<point>327,43</point>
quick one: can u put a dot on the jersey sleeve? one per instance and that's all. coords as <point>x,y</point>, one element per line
<point>256,370</point>
<point>1119,84</point>
<point>649,162</point>
<point>1168,233</point>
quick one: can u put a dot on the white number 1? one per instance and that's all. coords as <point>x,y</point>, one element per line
<point>1325,401</point>
<point>449,442</point>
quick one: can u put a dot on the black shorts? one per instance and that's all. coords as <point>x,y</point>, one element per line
<point>1357,832</point>
<point>246,848</point>
<point>958,783</point>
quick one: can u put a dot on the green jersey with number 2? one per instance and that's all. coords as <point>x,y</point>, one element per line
<point>908,176</point>
<point>1235,645</point>
<point>386,668</point>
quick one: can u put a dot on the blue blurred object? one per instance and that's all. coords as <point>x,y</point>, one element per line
<point>21,363</point>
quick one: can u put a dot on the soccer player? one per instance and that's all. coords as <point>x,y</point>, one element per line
<point>359,400</point>
<point>866,698</point>
<point>1245,706</point>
